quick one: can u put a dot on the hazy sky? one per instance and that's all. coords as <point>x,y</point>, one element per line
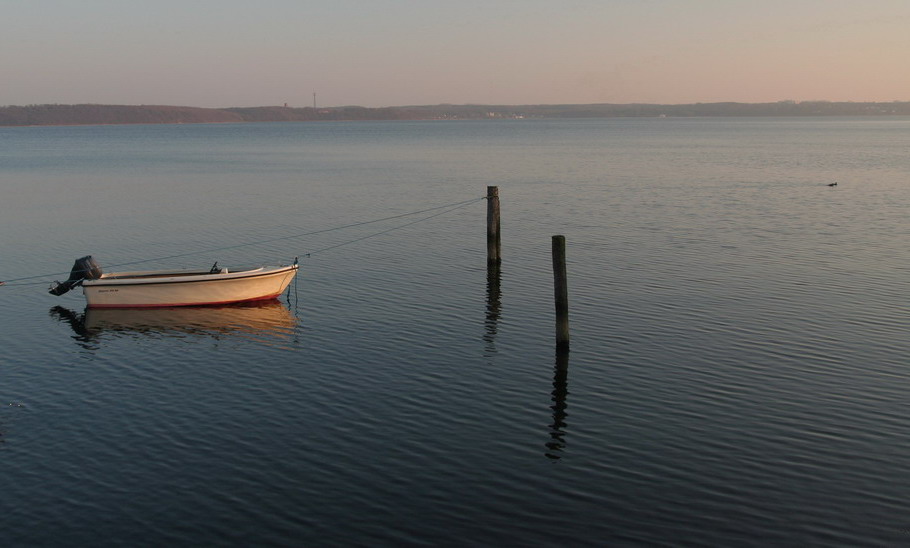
<point>402,52</point>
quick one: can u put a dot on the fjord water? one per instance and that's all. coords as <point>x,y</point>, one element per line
<point>739,371</point>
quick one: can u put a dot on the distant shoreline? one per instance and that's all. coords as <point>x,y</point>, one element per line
<point>88,114</point>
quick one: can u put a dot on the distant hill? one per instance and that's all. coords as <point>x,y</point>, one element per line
<point>58,115</point>
<point>64,115</point>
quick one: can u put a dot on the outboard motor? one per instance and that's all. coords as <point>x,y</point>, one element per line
<point>84,269</point>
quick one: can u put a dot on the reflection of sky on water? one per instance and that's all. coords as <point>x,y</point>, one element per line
<point>7,414</point>
<point>738,336</point>
<point>269,322</point>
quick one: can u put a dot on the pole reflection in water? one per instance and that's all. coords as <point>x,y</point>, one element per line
<point>269,322</point>
<point>494,307</point>
<point>560,391</point>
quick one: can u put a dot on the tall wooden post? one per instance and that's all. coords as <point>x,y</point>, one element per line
<point>561,293</point>
<point>493,242</point>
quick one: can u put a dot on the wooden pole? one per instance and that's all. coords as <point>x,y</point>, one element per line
<point>561,293</point>
<point>494,255</point>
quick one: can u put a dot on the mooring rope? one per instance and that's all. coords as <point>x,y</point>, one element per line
<point>463,204</point>
<point>448,208</point>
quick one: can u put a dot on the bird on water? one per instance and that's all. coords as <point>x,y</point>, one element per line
<point>833,184</point>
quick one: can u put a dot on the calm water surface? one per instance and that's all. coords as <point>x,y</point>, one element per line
<point>738,374</point>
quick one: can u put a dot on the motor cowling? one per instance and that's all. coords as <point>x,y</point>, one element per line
<point>85,268</point>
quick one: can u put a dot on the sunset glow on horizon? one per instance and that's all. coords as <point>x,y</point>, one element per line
<point>404,52</point>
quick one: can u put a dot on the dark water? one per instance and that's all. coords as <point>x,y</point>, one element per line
<point>738,374</point>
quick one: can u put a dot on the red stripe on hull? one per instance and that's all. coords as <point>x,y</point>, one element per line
<point>266,298</point>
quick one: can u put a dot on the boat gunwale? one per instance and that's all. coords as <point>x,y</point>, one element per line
<point>184,277</point>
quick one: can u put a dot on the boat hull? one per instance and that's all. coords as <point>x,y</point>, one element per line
<point>181,288</point>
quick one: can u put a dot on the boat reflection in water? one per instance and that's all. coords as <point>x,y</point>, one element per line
<point>268,322</point>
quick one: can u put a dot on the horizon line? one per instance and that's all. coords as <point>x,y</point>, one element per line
<point>287,105</point>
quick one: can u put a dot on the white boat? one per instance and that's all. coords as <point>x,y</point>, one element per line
<point>158,288</point>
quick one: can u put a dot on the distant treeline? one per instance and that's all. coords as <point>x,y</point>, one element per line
<point>48,115</point>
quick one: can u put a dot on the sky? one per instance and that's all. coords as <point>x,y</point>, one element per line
<point>224,53</point>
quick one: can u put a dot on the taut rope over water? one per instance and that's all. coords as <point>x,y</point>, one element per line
<point>447,207</point>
